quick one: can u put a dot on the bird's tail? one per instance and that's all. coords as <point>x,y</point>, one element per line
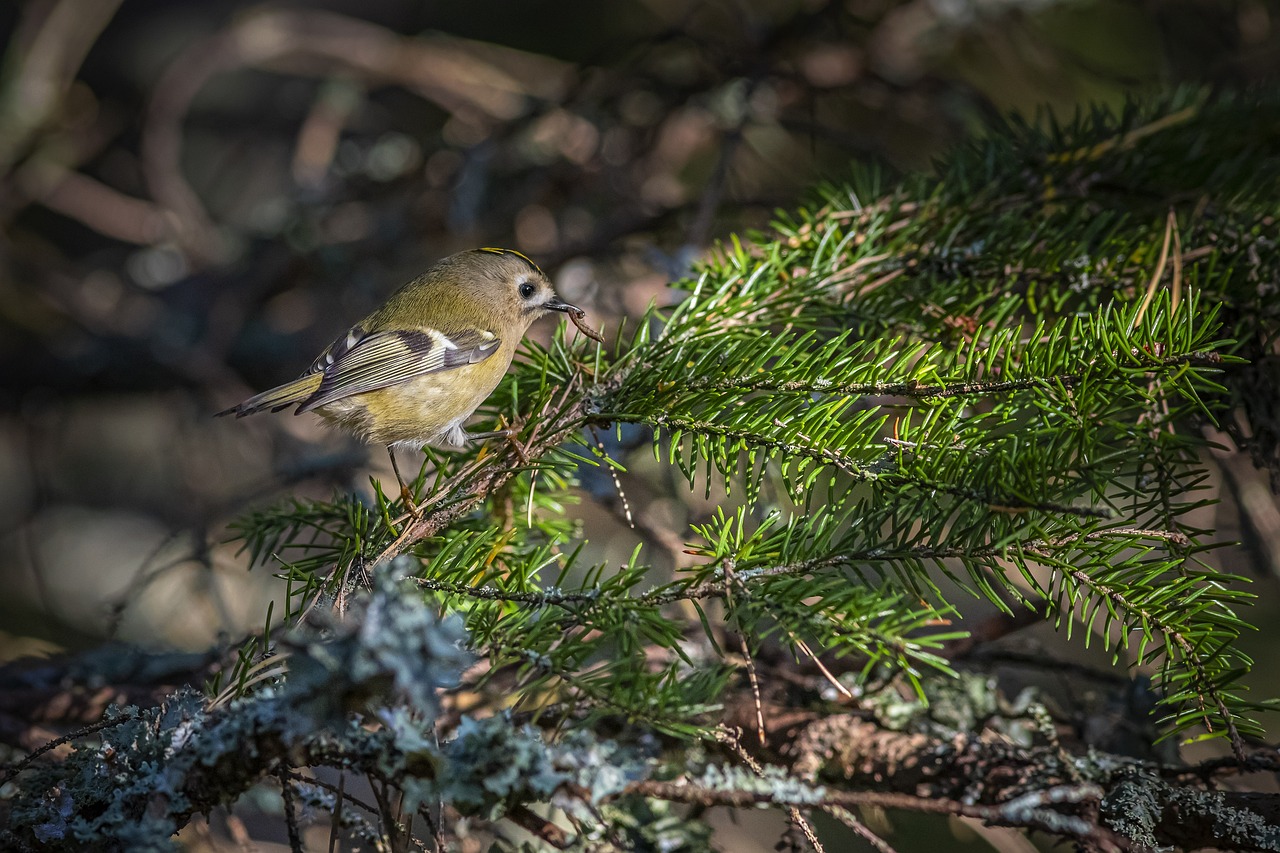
<point>280,397</point>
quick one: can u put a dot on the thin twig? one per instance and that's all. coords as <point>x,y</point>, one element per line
<point>732,614</point>
<point>1170,224</point>
<point>919,391</point>
<point>1026,813</point>
<point>850,820</point>
<point>339,799</point>
<point>290,817</point>
<point>57,742</point>
<point>730,736</point>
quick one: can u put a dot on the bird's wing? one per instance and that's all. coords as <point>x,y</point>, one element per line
<point>365,361</point>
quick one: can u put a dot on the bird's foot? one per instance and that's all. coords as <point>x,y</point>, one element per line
<point>412,510</point>
<point>406,494</point>
<point>508,431</point>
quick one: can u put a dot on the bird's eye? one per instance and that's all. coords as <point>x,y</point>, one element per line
<point>527,290</point>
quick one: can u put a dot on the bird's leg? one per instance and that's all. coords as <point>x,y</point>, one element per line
<point>507,432</point>
<point>485,436</point>
<point>405,494</point>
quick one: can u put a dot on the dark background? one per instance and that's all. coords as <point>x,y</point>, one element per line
<point>195,198</point>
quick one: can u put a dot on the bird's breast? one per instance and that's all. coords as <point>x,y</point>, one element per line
<point>422,410</point>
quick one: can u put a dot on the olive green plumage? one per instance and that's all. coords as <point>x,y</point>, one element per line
<point>414,370</point>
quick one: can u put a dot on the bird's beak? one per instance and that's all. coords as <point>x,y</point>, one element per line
<point>555,303</point>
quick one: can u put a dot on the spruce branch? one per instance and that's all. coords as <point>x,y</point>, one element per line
<point>971,384</point>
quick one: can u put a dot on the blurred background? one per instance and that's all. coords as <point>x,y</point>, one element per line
<point>195,198</point>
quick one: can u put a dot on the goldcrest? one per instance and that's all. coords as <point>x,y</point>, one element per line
<point>413,371</point>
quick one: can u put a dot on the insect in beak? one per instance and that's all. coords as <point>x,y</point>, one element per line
<point>576,314</point>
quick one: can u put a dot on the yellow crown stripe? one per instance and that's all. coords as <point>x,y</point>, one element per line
<point>493,250</point>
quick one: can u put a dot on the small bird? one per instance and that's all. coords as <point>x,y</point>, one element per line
<point>413,371</point>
